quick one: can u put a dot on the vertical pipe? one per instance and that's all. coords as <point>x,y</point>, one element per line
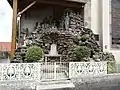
<point>19,31</point>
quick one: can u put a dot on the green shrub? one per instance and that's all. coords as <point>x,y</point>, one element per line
<point>82,52</point>
<point>111,67</point>
<point>34,53</point>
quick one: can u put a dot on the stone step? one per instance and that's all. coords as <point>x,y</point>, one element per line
<point>55,85</point>
<point>37,85</point>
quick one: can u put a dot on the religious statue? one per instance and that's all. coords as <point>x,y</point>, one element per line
<point>23,41</point>
<point>54,25</point>
<point>79,16</point>
<point>42,26</point>
<point>27,32</point>
<point>28,42</point>
<point>50,20</point>
<point>46,22</point>
<point>37,26</point>
<point>67,20</point>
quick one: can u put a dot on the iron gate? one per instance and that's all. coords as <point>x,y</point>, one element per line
<point>54,71</point>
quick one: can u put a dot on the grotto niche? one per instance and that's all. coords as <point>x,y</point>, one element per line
<point>67,33</point>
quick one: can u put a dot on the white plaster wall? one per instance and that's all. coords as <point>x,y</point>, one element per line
<point>116,53</point>
<point>35,16</point>
<point>87,14</point>
<point>96,18</point>
<point>106,26</point>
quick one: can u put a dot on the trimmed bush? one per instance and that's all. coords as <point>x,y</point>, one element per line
<point>82,52</point>
<point>34,54</point>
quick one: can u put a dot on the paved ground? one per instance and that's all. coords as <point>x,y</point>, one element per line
<point>4,60</point>
<point>108,82</point>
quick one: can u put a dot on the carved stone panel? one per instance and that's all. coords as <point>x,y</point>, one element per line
<point>87,69</point>
<point>21,71</point>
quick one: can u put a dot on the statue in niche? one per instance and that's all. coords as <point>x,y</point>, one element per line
<point>28,42</point>
<point>47,26</point>
<point>37,26</point>
<point>50,20</point>
<point>24,40</point>
<point>46,22</point>
<point>27,32</point>
<point>67,20</point>
<point>42,26</point>
<point>24,34</point>
<point>79,16</point>
<point>62,23</point>
<point>54,25</point>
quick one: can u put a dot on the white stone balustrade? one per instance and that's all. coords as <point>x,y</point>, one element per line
<point>33,71</point>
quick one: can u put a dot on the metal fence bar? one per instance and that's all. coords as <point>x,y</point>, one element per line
<point>55,67</point>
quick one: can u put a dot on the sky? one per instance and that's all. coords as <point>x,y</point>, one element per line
<point>5,21</point>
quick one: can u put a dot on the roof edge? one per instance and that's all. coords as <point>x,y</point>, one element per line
<point>10,2</point>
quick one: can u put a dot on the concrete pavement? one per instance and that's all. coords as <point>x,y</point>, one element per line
<point>7,60</point>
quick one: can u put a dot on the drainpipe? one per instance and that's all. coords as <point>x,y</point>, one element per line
<point>19,30</point>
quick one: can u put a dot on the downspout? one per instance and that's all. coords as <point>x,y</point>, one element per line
<point>19,30</point>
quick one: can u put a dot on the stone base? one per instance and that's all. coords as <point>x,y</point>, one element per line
<point>55,85</point>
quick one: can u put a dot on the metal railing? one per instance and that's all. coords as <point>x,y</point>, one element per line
<point>55,70</point>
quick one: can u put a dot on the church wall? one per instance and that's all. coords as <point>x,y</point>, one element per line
<point>107,30</point>
<point>87,14</point>
<point>114,26</point>
<point>96,18</point>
